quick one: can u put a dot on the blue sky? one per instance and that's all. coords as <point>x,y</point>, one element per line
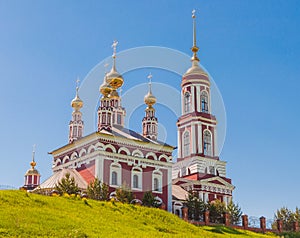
<point>251,48</point>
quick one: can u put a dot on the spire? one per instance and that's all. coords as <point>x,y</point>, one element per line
<point>194,47</point>
<point>33,163</point>
<point>114,46</point>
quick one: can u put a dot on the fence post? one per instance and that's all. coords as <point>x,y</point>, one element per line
<point>295,226</point>
<point>206,217</point>
<point>185,213</point>
<point>226,218</point>
<point>262,223</point>
<point>245,221</point>
<point>279,225</point>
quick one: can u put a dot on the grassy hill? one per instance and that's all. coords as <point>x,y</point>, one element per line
<point>31,215</point>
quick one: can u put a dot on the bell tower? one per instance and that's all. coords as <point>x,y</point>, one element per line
<point>198,166</point>
<point>196,126</point>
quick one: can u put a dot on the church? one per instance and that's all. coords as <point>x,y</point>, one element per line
<point>119,156</point>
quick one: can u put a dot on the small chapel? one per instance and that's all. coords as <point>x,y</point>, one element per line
<point>117,155</point>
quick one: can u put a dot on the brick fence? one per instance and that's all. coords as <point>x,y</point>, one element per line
<point>244,225</point>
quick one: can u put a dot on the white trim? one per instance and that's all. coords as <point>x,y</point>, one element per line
<point>153,155</point>
<point>137,153</point>
<point>111,147</point>
<point>198,98</point>
<point>193,139</point>
<point>200,137</point>
<point>74,155</point>
<point>123,149</point>
<point>82,151</point>
<point>90,148</point>
<point>157,174</point>
<point>169,197</point>
<point>163,156</point>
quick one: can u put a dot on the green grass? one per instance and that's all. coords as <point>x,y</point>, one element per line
<point>31,215</point>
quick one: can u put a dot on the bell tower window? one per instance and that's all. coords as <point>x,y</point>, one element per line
<point>207,143</point>
<point>204,102</point>
<point>186,144</point>
<point>187,102</point>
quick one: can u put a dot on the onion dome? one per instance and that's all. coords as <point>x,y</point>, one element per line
<point>149,98</point>
<point>77,103</point>
<point>105,88</point>
<point>114,94</point>
<point>113,78</point>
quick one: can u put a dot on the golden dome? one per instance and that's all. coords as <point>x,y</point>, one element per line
<point>149,99</point>
<point>32,171</point>
<point>195,69</point>
<point>77,103</point>
<point>105,89</point>
<point>114,79</point>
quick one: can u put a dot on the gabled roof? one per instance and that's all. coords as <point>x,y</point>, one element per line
<point>51,182</point>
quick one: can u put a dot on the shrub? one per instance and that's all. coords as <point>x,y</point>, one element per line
<point>124,194</point>
<point>67,185</point>
<point>149,200</point>
<point>97,190</point>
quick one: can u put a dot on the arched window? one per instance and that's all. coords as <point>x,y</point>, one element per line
<point>183,171</point>
<point>212,170</point>
<point>136,178</point>
<point>115,174</point>
<point>204,102</point>
<point>187,102</point>
<point>157,181</point>
<point>114,178</point>
<point>186,144</point>
<point>135,181</point>
<point>207,143</point>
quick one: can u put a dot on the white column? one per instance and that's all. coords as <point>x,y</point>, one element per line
<point>169,190</point>
<point>193,139</point>
<point>179,155</point>
<point>99,167</point>
<point>200,137</point>
<point>198,98</point>
<point>193,99</point>
<point>216,152</point>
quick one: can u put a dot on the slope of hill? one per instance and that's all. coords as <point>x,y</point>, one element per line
<point>31,215</point>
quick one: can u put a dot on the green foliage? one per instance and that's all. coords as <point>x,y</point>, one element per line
<point>196,206</point>
<point>67,185</point>
<point>287,216</point>
<point>31,215</point>
<point>235,213</point>
<point>149,200</point>
<point>216,209</point>
<point>124,194</point>
<point>97,190</point>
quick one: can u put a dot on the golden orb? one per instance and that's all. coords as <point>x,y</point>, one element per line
<point>114,79</point>
<point>77,103</point>
<point>149,99</point>
<point>32,163</point>
<point>105,89</point>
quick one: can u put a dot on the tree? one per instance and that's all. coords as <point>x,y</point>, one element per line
<point>97,190</point>
<point>235,213</point>
<point>149,200</point>
<point>67,185</point>
<point>196,206</point>
<point>216,210</point>
<point>124,194</point>
<point>287,216</point>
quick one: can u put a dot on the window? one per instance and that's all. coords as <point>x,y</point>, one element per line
<point>136,178</point>
<point>186,144</point>
<point>187,102</point>
<point>207,143</point>
<point>212,170</point>
<point>119,119</point>
<point>157,181</point>
<point>115,174</point>
<point>156,184</point>
<point>114,178</point>
<point>204,102</point>
<point>135,181</point>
